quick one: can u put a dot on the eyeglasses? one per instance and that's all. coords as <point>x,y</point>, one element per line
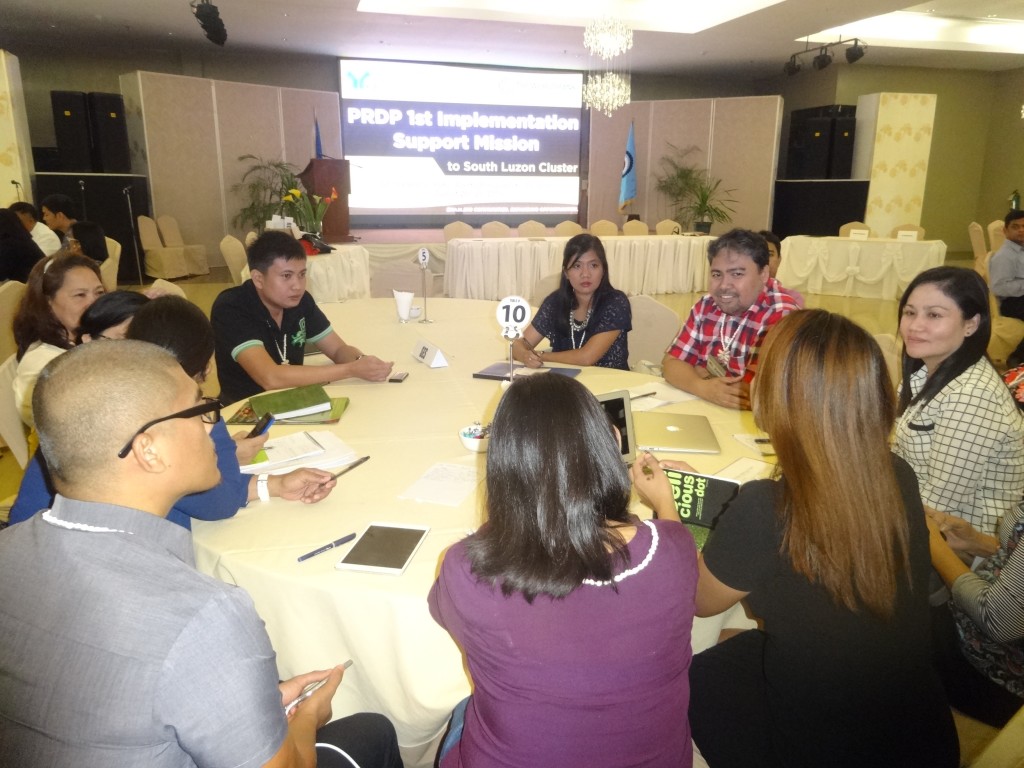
<point>209,410</point>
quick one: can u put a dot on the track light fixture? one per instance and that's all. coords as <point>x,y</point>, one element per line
<point>824,57</point>
<point>209,19</point>
<point>855,52</point>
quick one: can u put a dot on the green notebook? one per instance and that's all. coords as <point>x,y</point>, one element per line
<point>246,415</point>
<point>289,403</point>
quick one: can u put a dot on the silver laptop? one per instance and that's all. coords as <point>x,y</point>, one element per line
<point>616,405</point>
<point>674,432</point>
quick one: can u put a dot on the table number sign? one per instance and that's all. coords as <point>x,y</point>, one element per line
<point>513,316</point>
<point>423,258</point>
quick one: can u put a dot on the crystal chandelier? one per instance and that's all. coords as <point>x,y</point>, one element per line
<point>608,85</point>
<point>607,37</point>
<point>606,91</point>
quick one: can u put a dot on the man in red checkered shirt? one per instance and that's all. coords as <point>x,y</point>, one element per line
<point>713,355</point>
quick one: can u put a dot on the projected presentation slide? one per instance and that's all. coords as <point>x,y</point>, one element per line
<point>428,143</point>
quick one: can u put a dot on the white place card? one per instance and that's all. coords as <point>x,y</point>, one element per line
<point>429,354</point>
<point>860,234</point>
<point>907,235</point>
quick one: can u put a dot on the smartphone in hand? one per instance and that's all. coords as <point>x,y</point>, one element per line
<point>262,425</point>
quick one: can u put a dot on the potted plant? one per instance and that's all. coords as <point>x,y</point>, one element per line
<point>707,204</point>
<point>696,196</point>
<point>264,186</point>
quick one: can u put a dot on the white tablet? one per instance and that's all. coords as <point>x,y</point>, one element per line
<point>384,548</point>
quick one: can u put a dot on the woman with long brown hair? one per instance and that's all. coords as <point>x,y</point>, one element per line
<point>58,291</point>
<point>832,557</point>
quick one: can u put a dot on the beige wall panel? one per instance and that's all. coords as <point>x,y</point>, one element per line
<point>15,146</point>
<point>299,107</point>
<point>184,175</point>
<point>682,124</point>
<point>745,137</point>
<point>1004,162</point>
<point>607,150</point>
<point>249,123</point>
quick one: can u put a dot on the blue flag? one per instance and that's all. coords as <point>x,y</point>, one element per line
<point>627,191</point>
<point>319,150</point>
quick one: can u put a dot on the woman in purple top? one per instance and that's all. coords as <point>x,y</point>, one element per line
<point>574,615</point>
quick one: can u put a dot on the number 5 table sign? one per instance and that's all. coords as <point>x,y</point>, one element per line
<point>423,258</point>
<point>513,316</point>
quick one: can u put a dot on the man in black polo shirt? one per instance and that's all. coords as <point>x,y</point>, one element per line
<point>262,326</point>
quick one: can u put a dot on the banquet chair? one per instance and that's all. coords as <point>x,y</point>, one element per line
<point>195,255</point>
<point>250,238</point>
<point>161,261</point>
<point>457,229</point>
<point>655,326</point>
<point>668,227</point>
<point>636,228</point>
<point>531,228</point>
<point>995,235</point>
<point>233,251</point>
<point>604,228</point>
<point>545,287</point>
<point>907,228</point>
<point>844,231</point>
<point>568,229</point>
<point>495,229</point>
<point>977,235</point>
<point>1007,332</point>
<point>10,296</point>
<point>12,429</point>
<point>108,269</point>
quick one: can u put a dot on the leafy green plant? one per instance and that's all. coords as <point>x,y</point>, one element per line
<point>695,195</point>
<point>264,186</point>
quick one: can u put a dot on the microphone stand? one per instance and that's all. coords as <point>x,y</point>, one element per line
<point>81,188</point>
<point>17,185</point>
<point>127,192</point>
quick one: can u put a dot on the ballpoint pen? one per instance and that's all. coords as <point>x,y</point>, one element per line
<point>345,469</point>
<point>326,547</point>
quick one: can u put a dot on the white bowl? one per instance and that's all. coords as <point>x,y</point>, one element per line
<point>472,443</point>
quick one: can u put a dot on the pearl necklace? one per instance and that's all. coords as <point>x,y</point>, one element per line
<point>575,327</point>
<point>635,569</point>
<point>726,351</point>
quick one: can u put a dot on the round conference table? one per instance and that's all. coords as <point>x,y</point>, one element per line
<point>406,666</point>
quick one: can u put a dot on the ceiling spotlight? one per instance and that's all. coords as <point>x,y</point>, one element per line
<point>792,66</point>
<point>855,52</point>
<point>209,19</point>
<point>822,60</point>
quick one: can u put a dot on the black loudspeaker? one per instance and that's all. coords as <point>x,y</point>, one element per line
<point>841,155</point>
<point>817,207</point>
<point>71,127</point>
<point>109,133</point>
<point>810,139</point>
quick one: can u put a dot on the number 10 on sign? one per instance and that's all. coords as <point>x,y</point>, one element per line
<point>513,316</point>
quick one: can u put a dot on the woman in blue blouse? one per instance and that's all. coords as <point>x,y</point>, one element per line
<point>586,319</point>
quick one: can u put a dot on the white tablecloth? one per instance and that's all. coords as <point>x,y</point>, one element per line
<point>492,268</point>
<point>406,666</point>
<point>877,268</point>
<point>342,274</point>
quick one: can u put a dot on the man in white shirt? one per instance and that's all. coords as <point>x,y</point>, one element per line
<point>1006,267</point>
<point>43,236</point>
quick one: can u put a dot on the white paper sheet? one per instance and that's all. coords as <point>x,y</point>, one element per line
<point>647,397</point>
<point>744,470</point>
<point>447,484</point>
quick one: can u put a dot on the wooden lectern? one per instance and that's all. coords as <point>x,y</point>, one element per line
<point>319,177</point>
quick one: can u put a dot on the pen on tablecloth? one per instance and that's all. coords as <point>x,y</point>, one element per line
<point>645,394</point>
<point>326,547</point>
<point>345,469</point>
